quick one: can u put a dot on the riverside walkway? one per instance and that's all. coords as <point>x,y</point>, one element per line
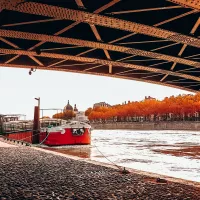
<point>28,173</point>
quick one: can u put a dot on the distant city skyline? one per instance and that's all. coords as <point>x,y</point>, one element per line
<point>18,90</point>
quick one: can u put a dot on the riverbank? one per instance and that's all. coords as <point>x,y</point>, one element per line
<point>34,173</point>
<point>183,125</point>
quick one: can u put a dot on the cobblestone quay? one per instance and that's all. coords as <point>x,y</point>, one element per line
<point>27,173</point>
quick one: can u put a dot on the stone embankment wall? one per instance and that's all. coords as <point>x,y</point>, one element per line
<point>193,126</point>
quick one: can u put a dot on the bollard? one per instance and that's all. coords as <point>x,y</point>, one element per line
<point>125,171</point>
<point>160,180</point>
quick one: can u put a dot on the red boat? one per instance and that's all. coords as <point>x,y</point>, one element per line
<point>55,132</point>
<point>51,132</point>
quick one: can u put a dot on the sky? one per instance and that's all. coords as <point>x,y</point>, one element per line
<point>18,90</point>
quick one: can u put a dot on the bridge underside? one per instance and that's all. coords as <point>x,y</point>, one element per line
<point>151,41</point>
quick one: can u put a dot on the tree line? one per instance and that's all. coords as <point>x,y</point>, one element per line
<point>179,108</point>
<point>66,115</point>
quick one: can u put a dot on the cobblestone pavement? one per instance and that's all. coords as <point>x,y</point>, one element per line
<point>26,173</point>
<point>3,144</point>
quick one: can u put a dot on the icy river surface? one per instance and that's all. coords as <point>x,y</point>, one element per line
<point>145,150</point>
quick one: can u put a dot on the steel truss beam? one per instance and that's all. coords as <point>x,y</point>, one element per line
<point>9,43</point>
<point>106,6</point>
<point>195,27</point>
<point>96,45</point>
<point>194,4</point>
<point>99,74</point>
<point>159,24</point>
<point>91,18</point>
<point>10,3</point>
<point>144,10</point>
<point>97,61</point>
<point>97,35</point>
<point>30,22</point>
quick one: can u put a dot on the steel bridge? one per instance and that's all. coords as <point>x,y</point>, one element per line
<point>151,41</point>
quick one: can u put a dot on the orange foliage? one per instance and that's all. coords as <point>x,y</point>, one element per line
<point>45,117</point>
<point>65,115</point>
<point>88,111</point>
<point>182,107</point>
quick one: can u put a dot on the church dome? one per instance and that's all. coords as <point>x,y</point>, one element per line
<point>68,107</point>
<point>75,108</point>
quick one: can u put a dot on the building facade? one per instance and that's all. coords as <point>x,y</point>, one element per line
<point>79,115</point>
<point>101,104</point>
<point>149,98</point>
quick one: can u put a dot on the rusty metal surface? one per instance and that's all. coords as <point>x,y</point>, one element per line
<point>91,18</point>
<point>96,45</point>
<point>194,4</point>
<point>159,40</point>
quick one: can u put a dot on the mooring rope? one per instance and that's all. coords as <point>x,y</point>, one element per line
<point>119,167</point>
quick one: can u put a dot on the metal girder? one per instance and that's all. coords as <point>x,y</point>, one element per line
<point>193,55</point>
<point>175,18</point>
<point>99,74</point>
<point>14,4</point>
<point>144,10</point>
<point>106,6</point>
<point>196,25</point>
<point>59,48</point>
<point>11,3</point>
<point>30,22</point>
<point>126,71</point>
<point>91,18</point>
<point>79,3</point>
<point>194,4</point>
<point>193,85</point>
<point>9,43</point>
<point>36,60</point>
<point>97,61</point>
<point>96,45</point>
<point>158,24</point>
<point>13,58</point>
<point>125,58</point>
<point>17,47</point>
<point>164,78</point>
<point>144,42</point>
<point>78,64</point>
<point>97,35</point>
<point>151,76</point>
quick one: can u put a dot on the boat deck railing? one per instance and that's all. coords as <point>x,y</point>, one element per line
<point>13,127</point>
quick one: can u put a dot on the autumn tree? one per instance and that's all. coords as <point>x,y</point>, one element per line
<point>88,111</point>
<point>181,107</point>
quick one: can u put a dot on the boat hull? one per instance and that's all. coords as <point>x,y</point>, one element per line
<point>58,138</point>
<point>25,136</point>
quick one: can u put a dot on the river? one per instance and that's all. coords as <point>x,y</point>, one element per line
<point>171,153</point>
